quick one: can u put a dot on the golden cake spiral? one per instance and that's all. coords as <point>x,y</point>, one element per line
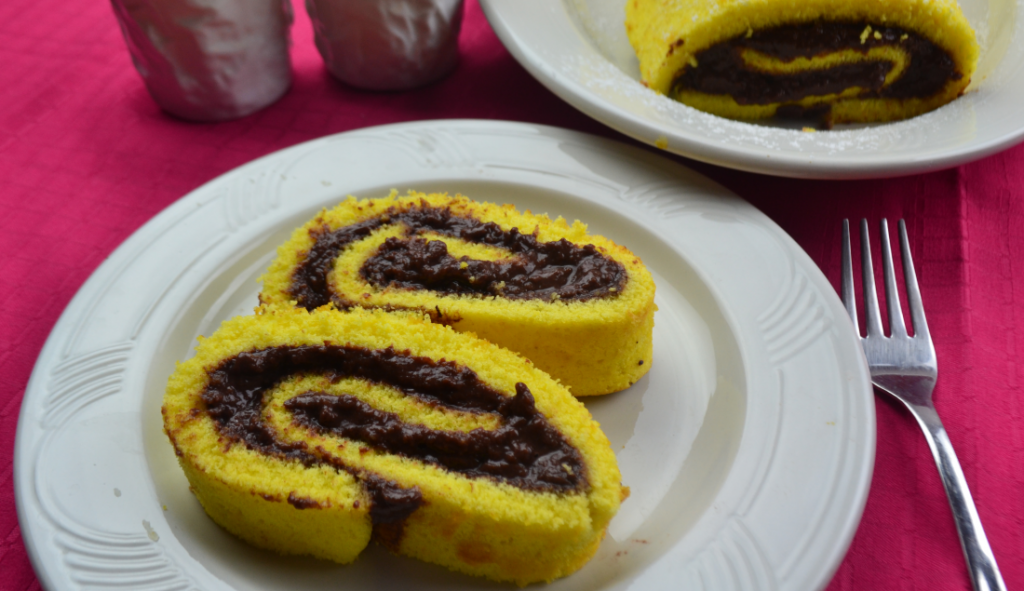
<point>311,433</point>
<point>578,306</point>
<point>838,61</point>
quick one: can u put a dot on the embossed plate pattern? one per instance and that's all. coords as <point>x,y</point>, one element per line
<point>748,447</point>
<point>579,50</point>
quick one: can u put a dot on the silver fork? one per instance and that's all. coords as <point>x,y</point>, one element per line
<point>905,367</point>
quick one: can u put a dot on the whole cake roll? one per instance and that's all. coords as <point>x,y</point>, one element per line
<point>836,61</point>
<point>313,433</point>
<point>578,306</point>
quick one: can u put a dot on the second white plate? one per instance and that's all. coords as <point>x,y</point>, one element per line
<point>579,50</point>
<point>748,447</point>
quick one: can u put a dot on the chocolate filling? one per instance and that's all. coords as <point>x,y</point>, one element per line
<point>537,270</point>
<point>525,451</point>
<point>722,71</point>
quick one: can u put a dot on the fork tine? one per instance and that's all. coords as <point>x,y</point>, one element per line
<point>892,295</point>
<point>913,291</point>
<point>872,319</point>
<point>846,280</point>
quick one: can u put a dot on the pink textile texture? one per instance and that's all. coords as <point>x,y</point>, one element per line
<point>86,157</point>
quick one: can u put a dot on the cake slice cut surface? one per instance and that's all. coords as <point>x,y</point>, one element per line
<point>832,61</point>
<point>313,433</point>
<point>577,305</point>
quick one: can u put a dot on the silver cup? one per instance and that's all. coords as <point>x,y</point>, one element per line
<point>387,44</point>
<point>209,60</point>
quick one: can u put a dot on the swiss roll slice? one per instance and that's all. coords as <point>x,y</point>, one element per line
<point>577,305</point>
<point>315,432</point>
<point>837,61</point>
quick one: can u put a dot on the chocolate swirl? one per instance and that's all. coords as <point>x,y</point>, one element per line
<point>536,270</point>
<point>525,450</point>
<point>722,70</point>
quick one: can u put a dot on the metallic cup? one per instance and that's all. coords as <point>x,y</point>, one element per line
<point>209,60</point>
<point>387,44</point>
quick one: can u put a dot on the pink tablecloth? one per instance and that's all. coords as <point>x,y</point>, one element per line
<point>86,158</point>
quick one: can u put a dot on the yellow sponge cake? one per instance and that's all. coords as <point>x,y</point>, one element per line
<point>315,432</point>
<point>577,305</point>
<point>835,60</point>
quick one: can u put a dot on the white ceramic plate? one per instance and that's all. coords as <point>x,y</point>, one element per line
<point>748,447</point>
<point>579,50</point>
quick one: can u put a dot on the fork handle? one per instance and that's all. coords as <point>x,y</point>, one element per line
<point>980,561</point>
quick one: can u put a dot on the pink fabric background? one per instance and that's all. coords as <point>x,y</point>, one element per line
<point>86,158</point>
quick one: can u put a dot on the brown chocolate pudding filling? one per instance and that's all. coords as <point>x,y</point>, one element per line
<point>537,270</point>
<point>525,450</point>
<point>721,69</point>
